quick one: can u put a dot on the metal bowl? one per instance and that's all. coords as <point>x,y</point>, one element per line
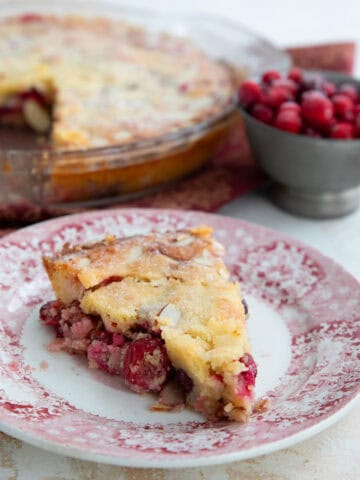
<point>312,177</point>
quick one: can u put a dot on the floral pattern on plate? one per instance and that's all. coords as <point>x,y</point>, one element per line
<point>316,299</point>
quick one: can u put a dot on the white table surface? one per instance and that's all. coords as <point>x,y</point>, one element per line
<point>334,453</point>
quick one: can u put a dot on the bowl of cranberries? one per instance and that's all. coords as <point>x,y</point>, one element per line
<point>304,131</point>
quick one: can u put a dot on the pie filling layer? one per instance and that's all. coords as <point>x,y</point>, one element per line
<point>140,357</point>
<point>27,108</point>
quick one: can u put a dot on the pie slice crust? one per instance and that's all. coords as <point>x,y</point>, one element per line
<point>159,311</point>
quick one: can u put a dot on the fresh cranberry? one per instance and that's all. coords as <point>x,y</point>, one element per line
<point>269,76</point>
<point>311,132</point>
<point>342,130</point>
<point>328,88</point>
<point>106,357</point>
<point>289,121</point>
<point>250,93</point>
<point>293,106</point>
<point>312,81</point>
<point>349,90</point>
<point>287,84</point>
<point>317,110</point>
<point>342,105</point>
<point>349,116</point>
<point>356,111</point>
<point>275,96</point>
<point>146,365</point>
<point>184,380</point>
<point>357,130</point>
<point>50,312</point>
<point>295,74</point>
<point>262,113</point>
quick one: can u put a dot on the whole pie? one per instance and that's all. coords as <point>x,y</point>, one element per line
<point>93,82</point>
<point>159,311</point>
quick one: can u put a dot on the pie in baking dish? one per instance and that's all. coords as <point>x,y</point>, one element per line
<point>160,311</point>
<point>93,82</point>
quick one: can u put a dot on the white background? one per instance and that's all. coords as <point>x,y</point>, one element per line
<point>283,22</point>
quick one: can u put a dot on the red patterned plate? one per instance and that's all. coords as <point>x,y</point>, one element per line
<point>304,327</point>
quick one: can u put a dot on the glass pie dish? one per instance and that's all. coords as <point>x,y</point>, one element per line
<point>49,180</point>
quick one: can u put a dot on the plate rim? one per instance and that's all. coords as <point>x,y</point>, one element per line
<point>204,461</point>
<point>175,462</point>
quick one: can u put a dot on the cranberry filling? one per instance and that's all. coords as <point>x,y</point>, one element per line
<point>33,94</point>
<point>184,380</point>
<point>140,359</point>
<point>107,357</point>
<point>246,379</point>
<point>50,313</point>
<point>146,365</point>
<point>15,105</point>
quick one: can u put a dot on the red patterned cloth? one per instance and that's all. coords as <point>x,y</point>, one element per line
<point>232,173</point>
<point>338,57</point>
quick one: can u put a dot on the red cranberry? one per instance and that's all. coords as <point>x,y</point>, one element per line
<point>250,93</point>
<point>356,110</point>
<point>287,84</point>
<point>295,74</point>
<point>293,106</point>
<point>310,132</point>
<point>357,122</point>
<point>349,116</point>
<point>317,110</point>
<point>349,90</point>
<point>118,340</point>
<point>262,113</point>
<point>247,379</point>
<point>13,110</point>
<point>249,362</point>
<point>108,357</point>
<point>289,121</point>
<point>146,365</point>
<point>275,96</point>
<point>357,131</point>
<point>342,130</point>
<point>342,104</point>
<point>50,312</point>
<point>269,76</point>
<point>33,94</point>
<point>312,81</point>
<point>328,88</point>
<point>184,380</point>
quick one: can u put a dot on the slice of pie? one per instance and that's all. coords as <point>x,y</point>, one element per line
<point>159,311</point>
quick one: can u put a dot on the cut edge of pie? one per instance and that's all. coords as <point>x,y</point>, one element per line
<point>160,311</point>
